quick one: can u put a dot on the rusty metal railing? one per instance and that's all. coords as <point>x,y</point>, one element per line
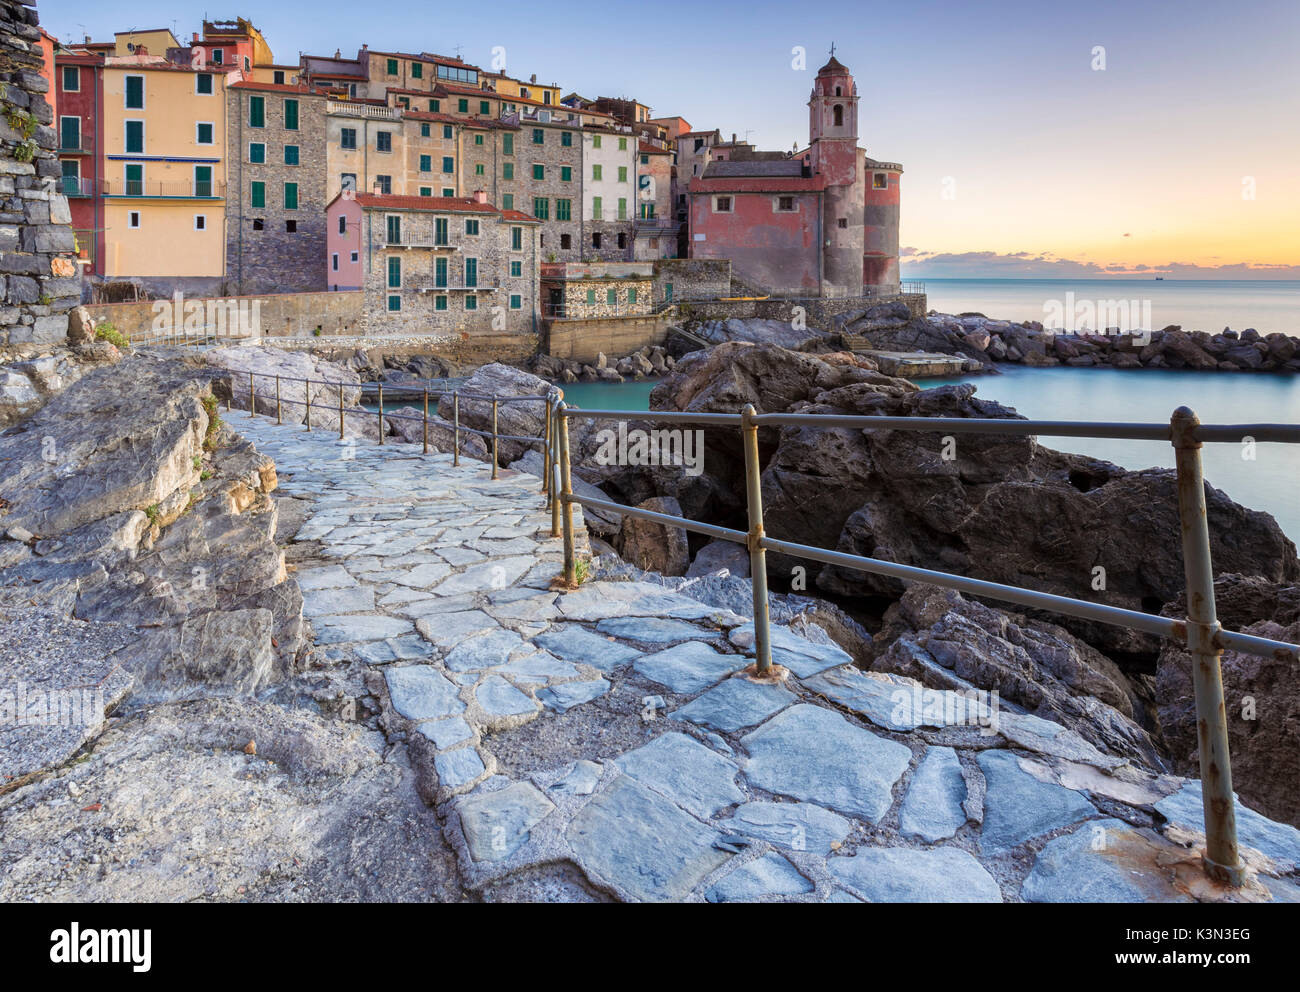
<point>1200,631</point>
<point>337,401</point>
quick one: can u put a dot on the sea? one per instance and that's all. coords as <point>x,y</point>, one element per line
<point>1194,305</point>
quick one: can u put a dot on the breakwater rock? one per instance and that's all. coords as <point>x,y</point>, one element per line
<point>889,326</point>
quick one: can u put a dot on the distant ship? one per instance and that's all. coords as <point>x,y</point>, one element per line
<point>1160,278</point>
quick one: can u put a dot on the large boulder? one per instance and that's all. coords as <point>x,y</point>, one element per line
<point>302,377</point>
<point>653,546</point>
<point>946,641</point>
<point>523,418</point>
<point>1261,696</point>
<point>758,331</point>
<point>409,425</point>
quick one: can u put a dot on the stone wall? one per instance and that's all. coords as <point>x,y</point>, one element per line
<point>817,311</point>
<point>583,340</point>
<point>692,278</point>
<point>39,280</point>
<point>281,314</point>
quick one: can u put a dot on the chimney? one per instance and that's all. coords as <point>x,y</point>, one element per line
<point>480,196</point>
<point>194,40</point>
<point>338,53</point>
<point>733,137</point>
<point>87,41</point>
<point>533,79</point>
<point>141,50</point>
<point>378,190</point>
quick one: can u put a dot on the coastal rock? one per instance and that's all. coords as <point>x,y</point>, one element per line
<point>1261,695</point>
<point>946,641</point>
<point>522,419</point>
<point>408,424</point>
<point>653,546</point>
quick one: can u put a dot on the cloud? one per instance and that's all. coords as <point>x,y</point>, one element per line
<point>919,264</point>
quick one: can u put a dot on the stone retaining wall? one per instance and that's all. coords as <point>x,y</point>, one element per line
<point>39,279</point>
<point>280,314</point>
<point>583,340</point>
<point>817,312</point>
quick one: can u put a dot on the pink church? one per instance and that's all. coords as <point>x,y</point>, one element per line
<point>823,222</point>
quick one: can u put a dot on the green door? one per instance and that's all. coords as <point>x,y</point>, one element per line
<point>203,180</point>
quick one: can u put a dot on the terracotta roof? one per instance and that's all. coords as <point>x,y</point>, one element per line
<point>834,65</point>
<point>757,184</point>
<point>699,134</point>
<point>646,149</point>
<point>436,204</point>
<point>252,84</point>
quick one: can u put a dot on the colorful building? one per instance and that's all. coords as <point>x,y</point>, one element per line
<point>162,164</point>
<point>79,92</point>
<point>656,228</point>
<point>608,193</point>
<point>435,265</point>
<point>276,195</point>
<point>820,223</point>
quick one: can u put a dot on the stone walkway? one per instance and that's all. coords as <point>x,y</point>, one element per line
<point>606,728</point>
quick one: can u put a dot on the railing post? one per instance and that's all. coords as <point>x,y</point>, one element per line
<point>757,556</point>
<point>426,420</point>
<point>494,437</point>
<point>1222,861</point>
<point>306,383</point>
<point>565,497</point>
<point>340,411</point>
<point>381,412</point>
<point>279,419</point>
<point>252,400</point>
<point>455,428</point>
<point>546,449</point>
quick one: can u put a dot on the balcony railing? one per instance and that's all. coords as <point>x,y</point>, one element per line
<point>912,286</point>
<point>363,110</point>
<point>415,241</point>
<point>76,186</point>
<point>172,189</point>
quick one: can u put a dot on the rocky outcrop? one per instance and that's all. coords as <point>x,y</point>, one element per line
<point>27,384</point>
<point>522,419</point>
<point>298,372</point>
<point>945,641</point>
<point>1029,343</point>
<point>408,424</point>
<point>126,501</point>
<point>648,362</point>
<point>999,508</point>
<point>652,546</point>
<point>781,333</point>
<point>1261,696</point>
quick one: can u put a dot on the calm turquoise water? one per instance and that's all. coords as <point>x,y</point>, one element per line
<point>1271,482</point>
<point>1196,305</point>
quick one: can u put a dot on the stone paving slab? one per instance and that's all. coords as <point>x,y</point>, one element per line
<point>813,754</point>
<point>443,577</point>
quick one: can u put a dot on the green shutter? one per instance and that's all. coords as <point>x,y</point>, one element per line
<point>517,238</point>
<point>203,180</point>
<point>134,92</point>
<point>591,297</point>
<point>611,297</point>
<point>564,210</point>
<point>595,141</point>
<point>440,303</point>
<point>595,172</point>
<point>417,70</point>
<point>203,134</point>
<point>622,173</point>
<point>70,133</point>
<point>516,301</point>
<point>596,208</point>
<point>566,139</point>
<point>471,303</point>
<point>256,152</point>
<point>258,194</point>
<point>484,107</point>
<point>440,233</point>
<point>290,196</point>
<point>448,164</point>
<point>394,303</point>
<point>541,207</point>
<point>426,163</point>
<point>471,272</point>
<point>539,136</point>
<point>440,272</point>
<point>507,201</point>
<point>257,111</point>
<point>135,137</point>
<point>508,170</point>
<point>392,67</point>
<point>290,154</point>
<point>539,172</point>
<point>462,106</point>
<point>631,295</point>
<point>566,174</point>
<point>507,144</point>
<point>291,115</point>
<point>394,272</point>
<point>622,208</point>
<point>393,225</point>
<point>135,180</point>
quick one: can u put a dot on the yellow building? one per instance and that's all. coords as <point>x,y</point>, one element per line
<point>154,41</point>
<point>508,86</point>
<point>163,165</point>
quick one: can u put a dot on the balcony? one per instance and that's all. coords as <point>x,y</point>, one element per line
<point>363,110</point>
<point>71,186</point>
<point>178,189</point>
<point>409,241</point>
<point>430,286</point>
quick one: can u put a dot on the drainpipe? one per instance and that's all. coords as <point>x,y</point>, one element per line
<point>239,252</point>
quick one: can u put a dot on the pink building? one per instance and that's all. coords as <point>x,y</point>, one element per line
<point>820,223</point>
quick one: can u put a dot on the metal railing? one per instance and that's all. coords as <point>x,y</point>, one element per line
<point>273,386</point>
<point>912,287</point>
<point>171,189</point>
<point>1200,631</point>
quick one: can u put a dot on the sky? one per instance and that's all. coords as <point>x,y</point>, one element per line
<point>1038,139</point>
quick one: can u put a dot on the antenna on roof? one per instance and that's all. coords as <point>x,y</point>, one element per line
<point>458,58</point>
<point>832,49</point>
